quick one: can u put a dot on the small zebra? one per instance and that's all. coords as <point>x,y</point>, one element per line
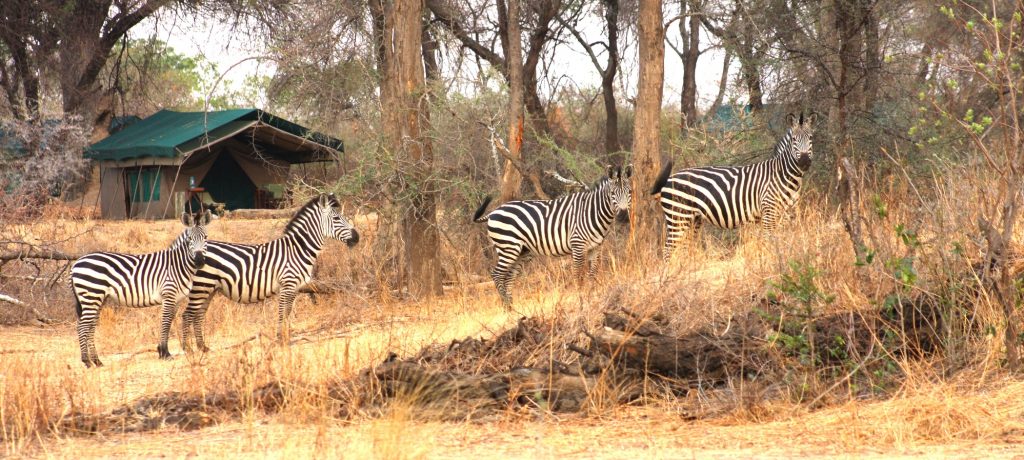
<point>163,278</point>
<point>728,196</point>
<point>250,273</point>
<point>573,224</point>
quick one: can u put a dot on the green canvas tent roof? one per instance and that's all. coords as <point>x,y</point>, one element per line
<point>168,134</point>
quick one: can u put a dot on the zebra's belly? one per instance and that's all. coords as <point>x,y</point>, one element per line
<point>684,211</point>
<point>149,297</point>
<point>562,248</point>
<point>251,292</point>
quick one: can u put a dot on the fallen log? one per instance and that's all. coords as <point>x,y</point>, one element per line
<point>260,213</point>
<point>767,340</point>
<point>689,357</point>
<point>36,254</point>
<point>458,396</point>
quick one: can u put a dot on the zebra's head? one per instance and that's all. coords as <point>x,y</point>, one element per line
<point>800,130</point>
<point>618,190</point>
<point>334,224</point>
<point>195,236</point>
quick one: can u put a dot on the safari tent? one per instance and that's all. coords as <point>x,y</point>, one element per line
<point>155,167</point>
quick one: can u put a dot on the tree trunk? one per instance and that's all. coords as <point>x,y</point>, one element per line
<point>872,62</point>
<point>408,120</point>
<point>430,49</point>
<point>512,179</point>
<point>646,140</point>
<point>611,110</point>
<point>691,51</point>
<point>750,71</point>
<point>546,11</point>
<point>86,37</point>
<point>723,84</point>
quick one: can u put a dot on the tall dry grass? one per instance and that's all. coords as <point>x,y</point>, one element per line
<point>958,395</point>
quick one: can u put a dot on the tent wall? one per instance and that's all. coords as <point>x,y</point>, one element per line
<point>112,191</point>
<point>116,193</point>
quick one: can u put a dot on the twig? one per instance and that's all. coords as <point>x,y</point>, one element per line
<point>39,316</point>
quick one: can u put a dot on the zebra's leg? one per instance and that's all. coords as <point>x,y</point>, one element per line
<point>503,271</point>
<point>769,220</point>
<point>675,230</point>
<point>579,253</point>
<point>88,312</point>
<point>198,322</point>
<point>286,299</point>
<point>195,315</point>
<point>594,258</point>
<point>197,301</point>
<point>519,267</point>
<point>167,312</point>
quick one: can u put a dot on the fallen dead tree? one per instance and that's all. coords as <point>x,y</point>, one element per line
<point>260,214</point>
<point>633,353</point>
<point>760,341</point>
<point>36,254</point>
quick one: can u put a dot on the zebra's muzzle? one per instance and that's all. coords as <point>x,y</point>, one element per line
<point>199,259</point>
<point>622,217</point>
<point>804,161</point>
<point>354,239</point>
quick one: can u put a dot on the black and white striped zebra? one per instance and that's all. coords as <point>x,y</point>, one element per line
<point>159,278</point>
<point>249,273</point>
<point>574,224</point>
<point>728,196</point>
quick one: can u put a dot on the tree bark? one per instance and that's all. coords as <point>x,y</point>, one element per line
<point>646,140</point>
<point>723,84</point>
<point>87,37</point>
<point>691,51</point>
<point>611,110</point>
<point>512,179</point>
<point>872,61</point>
<point>408,121</point>
<point>546,11</point>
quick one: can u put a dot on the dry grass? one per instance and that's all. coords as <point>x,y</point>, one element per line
<point>955,404</point>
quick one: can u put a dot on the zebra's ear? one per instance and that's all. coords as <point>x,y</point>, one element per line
<point>792,120</point>
<point>325,201</point>
<point>186,219</point>
<point>629,171</point>
<point>811,119</point>
<point>205,218</point>
<point>611,171</point>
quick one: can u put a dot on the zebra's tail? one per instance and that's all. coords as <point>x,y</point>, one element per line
<point>478,215</point>
<point>662,179</point>
<point>78,308</point>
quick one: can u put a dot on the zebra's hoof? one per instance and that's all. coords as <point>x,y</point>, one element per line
<point>97,363</point>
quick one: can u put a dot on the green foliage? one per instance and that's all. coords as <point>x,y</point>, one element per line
<point>155,75</point>
<point>798,295</point>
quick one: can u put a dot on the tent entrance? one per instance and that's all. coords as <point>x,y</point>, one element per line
<point>227,183</point>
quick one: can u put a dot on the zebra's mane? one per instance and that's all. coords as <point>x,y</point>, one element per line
<point>786,140</point>
<point>305,209</point>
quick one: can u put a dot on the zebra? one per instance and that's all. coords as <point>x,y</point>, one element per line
<point>574,224</point>
<point>728,196</point>
<point>250,273</point>
<point>145,280</point>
